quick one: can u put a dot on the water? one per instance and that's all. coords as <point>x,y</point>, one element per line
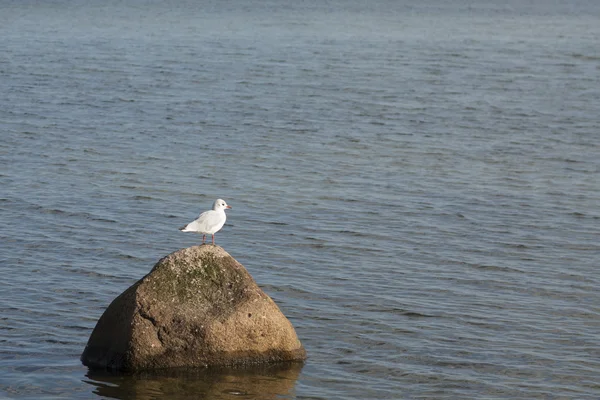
<point>416,185</point>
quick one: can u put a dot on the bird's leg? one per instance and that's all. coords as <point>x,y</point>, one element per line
<point>203,238</point>
<point>213,239</point>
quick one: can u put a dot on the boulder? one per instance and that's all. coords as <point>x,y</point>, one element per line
<point>197,307</point>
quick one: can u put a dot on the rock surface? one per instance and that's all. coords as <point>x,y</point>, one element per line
<point>197,307</point>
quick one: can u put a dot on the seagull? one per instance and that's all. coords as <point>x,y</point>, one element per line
<point>209,222</point>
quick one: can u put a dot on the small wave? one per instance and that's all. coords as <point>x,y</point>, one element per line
<point>56,341</point>
<point>413,314</point>
<point>276,223</point>
<point>353,233</point>
<point>585,57</point>
<point>496,268</point>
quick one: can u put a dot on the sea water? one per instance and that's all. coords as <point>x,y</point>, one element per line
<point>416,184</point>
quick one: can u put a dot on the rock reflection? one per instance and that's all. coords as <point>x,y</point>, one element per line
<point>265,382</point>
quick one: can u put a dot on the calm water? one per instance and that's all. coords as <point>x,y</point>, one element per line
<point>416,184</point>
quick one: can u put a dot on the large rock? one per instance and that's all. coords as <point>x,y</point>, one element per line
<point>197,307</point>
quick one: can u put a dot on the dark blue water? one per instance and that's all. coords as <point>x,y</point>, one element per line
<point>416,184</point>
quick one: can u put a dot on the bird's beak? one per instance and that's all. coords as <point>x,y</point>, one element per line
<point>228,207</point>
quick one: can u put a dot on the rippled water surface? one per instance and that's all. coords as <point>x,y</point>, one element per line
<point>416,184</point>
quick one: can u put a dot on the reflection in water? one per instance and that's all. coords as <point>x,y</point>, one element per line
<point>264,382</point>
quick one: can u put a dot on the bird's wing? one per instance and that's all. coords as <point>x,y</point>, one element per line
<point>210,220</point>
<point>196,225</point>
<point>202,214</point>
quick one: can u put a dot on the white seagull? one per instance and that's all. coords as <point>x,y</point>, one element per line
<point>209,222</point>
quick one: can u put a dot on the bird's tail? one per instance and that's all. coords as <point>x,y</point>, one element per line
<point>183,228</point>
